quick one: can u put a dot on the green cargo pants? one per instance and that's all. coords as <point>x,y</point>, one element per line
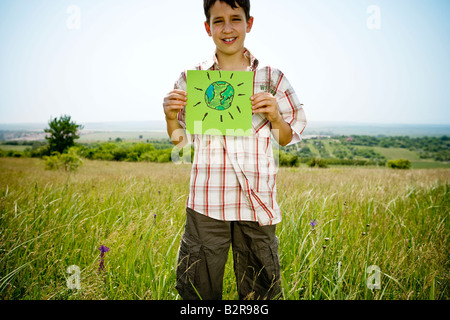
<point>204,251</point>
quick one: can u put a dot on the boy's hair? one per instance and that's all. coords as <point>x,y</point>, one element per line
<point>244,4</point>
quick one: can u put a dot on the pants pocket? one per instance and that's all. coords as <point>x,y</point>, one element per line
<point>258,272</point>
<point>268,282</point>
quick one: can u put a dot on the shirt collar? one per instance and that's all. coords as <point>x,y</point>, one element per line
<point>213,64</point>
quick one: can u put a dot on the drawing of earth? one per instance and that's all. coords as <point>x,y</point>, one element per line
<point>219,95</point>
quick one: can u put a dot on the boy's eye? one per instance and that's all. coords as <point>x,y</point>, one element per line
<point>220,21</point>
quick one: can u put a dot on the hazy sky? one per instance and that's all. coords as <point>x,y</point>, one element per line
<point>377,61</point>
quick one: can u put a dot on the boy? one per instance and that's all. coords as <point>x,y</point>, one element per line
<point>232,198</point>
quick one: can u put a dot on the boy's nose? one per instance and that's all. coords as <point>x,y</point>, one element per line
<point>227,27</point>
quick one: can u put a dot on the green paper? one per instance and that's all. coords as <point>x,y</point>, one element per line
<point>219,102</point>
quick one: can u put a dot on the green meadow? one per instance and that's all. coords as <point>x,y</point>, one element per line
<point>379,233</point>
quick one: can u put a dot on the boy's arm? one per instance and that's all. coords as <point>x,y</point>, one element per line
<point>174,102</point>
<point>176,133</point>
<point>282,131</point>
<point>267,104</point>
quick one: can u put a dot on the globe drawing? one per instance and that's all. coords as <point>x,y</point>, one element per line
<point>219,95</point>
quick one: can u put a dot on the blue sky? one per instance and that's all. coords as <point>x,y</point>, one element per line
<point>126,55</point>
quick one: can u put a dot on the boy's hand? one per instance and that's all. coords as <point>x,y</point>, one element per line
<point>174,101</point>
<point>266,104</point>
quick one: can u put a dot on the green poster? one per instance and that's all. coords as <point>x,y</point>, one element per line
<point>219,102</point>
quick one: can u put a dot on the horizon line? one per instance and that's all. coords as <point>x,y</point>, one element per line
<point>308,122</point>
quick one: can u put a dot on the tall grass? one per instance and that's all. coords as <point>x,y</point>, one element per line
<point>49,220</point>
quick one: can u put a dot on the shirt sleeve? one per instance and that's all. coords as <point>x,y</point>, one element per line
<point>291,109</point>
<point>180,84</point>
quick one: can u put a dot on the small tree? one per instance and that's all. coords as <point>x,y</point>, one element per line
<point>288,160</point>
<point>62,134</point>
<point>69,161</point>
<point>399,164</point>
<point>321,163</point>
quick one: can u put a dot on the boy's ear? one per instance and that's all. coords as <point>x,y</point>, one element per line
<point>249,24</point>
<point>208,28</point>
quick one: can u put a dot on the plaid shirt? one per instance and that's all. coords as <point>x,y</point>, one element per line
<point>234,177</point>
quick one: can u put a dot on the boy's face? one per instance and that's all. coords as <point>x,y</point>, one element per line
<point>228,27</point>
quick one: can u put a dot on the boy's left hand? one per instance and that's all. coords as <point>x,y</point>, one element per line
<point>266,104</point>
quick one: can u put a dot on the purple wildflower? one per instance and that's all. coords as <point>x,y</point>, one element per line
<point>313,223</point>
<point>101,267</point>
<point>102,249</point>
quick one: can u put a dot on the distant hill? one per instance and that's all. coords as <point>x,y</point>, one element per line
<point>376,129</point>
<point>97,126</point>
<point>313,128</point>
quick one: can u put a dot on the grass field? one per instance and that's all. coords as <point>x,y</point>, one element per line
<point>50,220</point>
<point>13,148</point>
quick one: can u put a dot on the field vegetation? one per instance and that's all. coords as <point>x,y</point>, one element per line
<point>357,150</point>
<point>337,222</point>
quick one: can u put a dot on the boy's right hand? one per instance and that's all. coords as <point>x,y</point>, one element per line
<point>174,101</point>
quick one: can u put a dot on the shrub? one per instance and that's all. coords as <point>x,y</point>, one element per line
<point>321,163</point>
<point>39,152</point>
<point>164,155</point>
<point>399,164</point>
<point>52,162</point>
<point>14,154</point>
<point>119,154</point>
<point>288,160</point>
<point>149,157</point>
<point>69,161</point>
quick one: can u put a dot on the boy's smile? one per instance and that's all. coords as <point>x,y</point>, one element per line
<point>229,40</point>
<point>228,28</point>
